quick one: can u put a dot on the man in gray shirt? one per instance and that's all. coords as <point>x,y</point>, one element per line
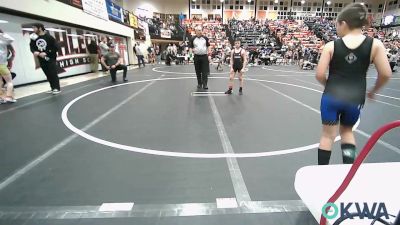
<point>113,62</point>
<point>199,45</point>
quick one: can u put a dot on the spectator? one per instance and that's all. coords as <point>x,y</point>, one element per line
<point>5,41</point>
<point>113,61</point>
<point>103,51</point>
<point>94,55</point>
<point>139,55</point>
<point>44,46</point>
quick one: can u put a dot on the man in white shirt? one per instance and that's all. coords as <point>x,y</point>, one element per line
<point>199,45</point>
<point>139,55</point>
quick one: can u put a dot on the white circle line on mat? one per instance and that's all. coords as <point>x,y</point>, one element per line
<point>65,119</point>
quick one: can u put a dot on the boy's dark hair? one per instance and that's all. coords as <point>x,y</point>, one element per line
<point>355,15</point>
<point>39,26</point>
<point>238,40</point>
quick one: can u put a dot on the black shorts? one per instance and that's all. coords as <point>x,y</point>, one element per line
<point>237,68</point>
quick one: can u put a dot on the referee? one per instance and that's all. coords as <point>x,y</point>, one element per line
<point>199,45</point>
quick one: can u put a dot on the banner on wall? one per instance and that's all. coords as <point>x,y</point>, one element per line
<point>165,33</point>
<point>114,11</point>
<point>144,13</point>
<point>72,57</point>
<point>96,8</point>
<point>133,21</point>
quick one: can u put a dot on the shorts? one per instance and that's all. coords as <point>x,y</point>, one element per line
<point>334,111</point>
<point>237,69</point>
<point>4,71</point>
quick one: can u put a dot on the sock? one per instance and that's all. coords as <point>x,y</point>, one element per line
<point>323,157</point>
<point>348,153</point>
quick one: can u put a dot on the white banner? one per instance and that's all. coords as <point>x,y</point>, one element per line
<point>97,8</point>
<point>166,33</point>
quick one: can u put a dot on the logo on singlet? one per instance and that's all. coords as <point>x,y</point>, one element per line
<point>351,58</point>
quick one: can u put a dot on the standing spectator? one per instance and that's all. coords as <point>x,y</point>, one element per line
<point>94,55</point>
<point>44,46</point>
<point>103,51</point>
<point>139,55</point>
<point>169,55</point>
<point>393,58</point>
<point>113,62</point>
<point>199,44</point>
<point>151,55</point>
<point>158,53</point>
<point>5,40</point>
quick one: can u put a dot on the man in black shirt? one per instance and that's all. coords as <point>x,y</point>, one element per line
<point>44,46</point>
<point>199,45</point>
<point>94,55</point>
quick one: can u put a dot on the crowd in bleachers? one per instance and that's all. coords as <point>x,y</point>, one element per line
<point>168,28</point>
<point>267,42</point>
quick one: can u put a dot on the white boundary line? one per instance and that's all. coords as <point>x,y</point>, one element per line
<point>155,69</point>
<point>387,145</point>
<point>239,186</point>
<point>67,140</point>
<point>292,71</point>
<point>83,134</point>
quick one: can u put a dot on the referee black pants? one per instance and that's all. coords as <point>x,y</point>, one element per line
<point>50,70</point>
<point>202,68</point>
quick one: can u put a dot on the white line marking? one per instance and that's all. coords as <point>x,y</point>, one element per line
<point>386,103</point>
<point>154,210</point>
<point>241,192</point>
<point>112,207</point>
<point>226,203</point>
<point>389,146</point>
<point>45,98</point>
<point>386,96</point>
<point>392,89</point>
<point>156,69</point>
<point>67,140</point>
<point>306,82</point>
<point>292,71</point>
<point>180,154</point>
<point>208,92</point>
<point>206,95</point>
<point>286,71</point>
<point>177,154</point>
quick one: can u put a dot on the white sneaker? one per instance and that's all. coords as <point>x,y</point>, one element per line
<point>10,100</point>
<point>49,92</point>
<point>56,91</point>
